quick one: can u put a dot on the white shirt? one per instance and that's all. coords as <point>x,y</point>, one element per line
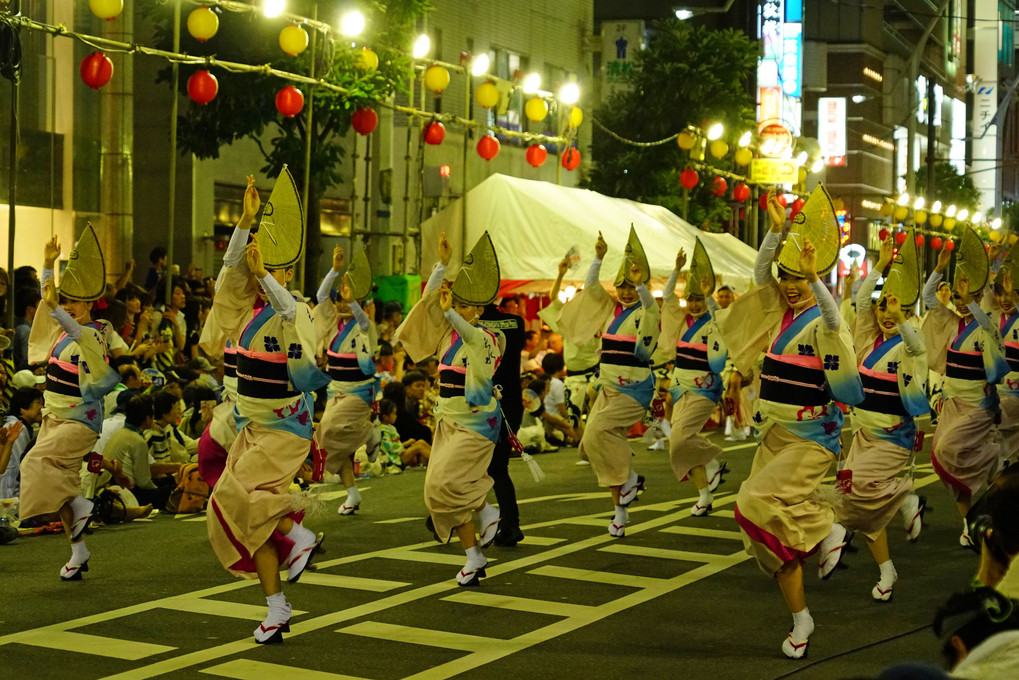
<point>556,395</point>
<point>10,487</point>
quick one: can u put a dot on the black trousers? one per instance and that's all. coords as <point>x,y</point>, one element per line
<point>498,470</point>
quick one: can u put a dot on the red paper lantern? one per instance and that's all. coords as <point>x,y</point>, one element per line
<point>741,192</point>
<point>689,178</point>
<point>763,201</point>
<point>289,101</point>
<point>796,207</point>
<point>488,147</point>
<point>536,155</point>
<point>434,133</point>
<point>719,186</point>
<point>96,70</point>
<point>900,237</point>
<point>919,240</point>
<point>571,159</point>
<point>364,121</point>
<point>936,243</point>
<point>949,245</point>
<point>882,235</point>
<point>202,87</point>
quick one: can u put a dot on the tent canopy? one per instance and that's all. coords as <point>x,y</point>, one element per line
<point>533,224</point>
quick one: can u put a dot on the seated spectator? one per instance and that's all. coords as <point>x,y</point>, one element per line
<point>979,634</point>
<point>531,354</point>
<point>151,482</point>
<point>392,317</point>
<point>994,529</point>
<point>158,259</point>
<point>400,454</point>
<point>26,410</point>
<point>166,442</point>
<point>385,363</point>
<point>408,423</point>
<point>556,409</point>
<point>430,367</point>
<point>25,302</point>
<point>199,402</point>
<point>114,420</point>
<point>169,325</point>
<point>130,379</point>
<point>136,317</point>
<point>532,426</point>
<point>27,378</point>
<point>206,373</point>
<point>196,311</point>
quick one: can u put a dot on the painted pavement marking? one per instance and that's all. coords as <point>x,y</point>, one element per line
<point>421,636</point>
<point>245,669</point>
<point>518,604</point>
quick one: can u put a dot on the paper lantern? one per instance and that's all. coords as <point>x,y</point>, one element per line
<point>920,217</point>
<point>741,192</point>
<point>96,70</point>
<point>995,236</point>
<point>202,87</point>
<point>367,60</point>
<point>364,121</point>
<point>719,186</point>
<point>576,117</point>
<point>203,23</point>
<point>802,176</point>
<point>1013,239</point>
<point>919,240</point>
<point>949,223</point>
<point>686,140</point>
<point>536,155</point>
<point>436,78</point>
<point>294,40</point>
<point>936,220</point>
<point>536,109</point>
<point>718,149</point>
<point>887,208</point>
<point>900,237</point>
<point>949,245</point>
<point>434,133</point>
<point>936,243</point>
<point>488,147</point>
<point>689,178</point>
<point>797,206</point>
<point>571,159</point>
<point>882,235</point>
<point>289,101</point>
<point>900,213</point>
<point>763,201</point>
<point>106,9</point>
<point>487,95</point>
<point>743,156</point>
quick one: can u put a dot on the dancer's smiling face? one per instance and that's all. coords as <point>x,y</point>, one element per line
<point>795,290</point>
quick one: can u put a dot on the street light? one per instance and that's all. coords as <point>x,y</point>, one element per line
<point>963,214</point>
<point>950,212</point>
<point>715,131</point>
<point>273,8</point>
<point>818,165</point>
<point>532,81</point>
<point>422,45</point>
<point>569,93</point>
<point>936,207</point>
<point>352,24</point>
<point>479,65</point>
<point>996,223</point>
<point>745,139</point>
<point>978,217</point>
<point>801,158</point>
<point>904,198</point>
<point>919,203</point>
<point>683,14</point>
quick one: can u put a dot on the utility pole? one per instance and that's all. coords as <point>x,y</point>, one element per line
<point>913,73</point>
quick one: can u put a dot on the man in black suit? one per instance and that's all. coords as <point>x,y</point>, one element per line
<point>507,377</point>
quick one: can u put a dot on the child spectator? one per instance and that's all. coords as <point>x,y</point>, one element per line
<point>555,401</point>
<point>26,301</point>
<point>166,443</point>
<point>26,409</point>
<point>399,454</point>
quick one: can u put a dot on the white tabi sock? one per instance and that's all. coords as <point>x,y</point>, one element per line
<point>706,497</point>
<point>474,554</point>
<point>803,625</point>
<point>353,496</point>
<point>888,575</point>
<point>621,515</point>
<point>81,506</point>
<point>632,479</point>
<point>299,534</point>
<point>79,554</point>
<point>279,608</point>
<point>666,428</point>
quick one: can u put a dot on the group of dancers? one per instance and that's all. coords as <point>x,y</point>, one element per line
<point>784,342</point>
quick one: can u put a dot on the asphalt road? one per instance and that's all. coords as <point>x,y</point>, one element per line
<point>676,597</point>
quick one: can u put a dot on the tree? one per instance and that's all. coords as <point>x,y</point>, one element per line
<point>686,75</point>
<point>950,187</point>
<point>245,105</point>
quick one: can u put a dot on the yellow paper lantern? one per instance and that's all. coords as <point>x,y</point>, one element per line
<point>487,95</point>
<point>106,9</point>
<point>887,208</point>
<point>1013,239</point>
<point>576,117</point>
<point>686,140</point>
<point>920,217</point>
<point>719,148</point>
<point>367,60</point>
<point>294,40</point>
<point>802,176</point>
<point>436,78</point>
<point>536,109</point>
<point>996,236</point>
<point>936,220</point>
<point>743,156</point>
<point>949,223</point>
<point>203,23</point>
<point>900,213</point>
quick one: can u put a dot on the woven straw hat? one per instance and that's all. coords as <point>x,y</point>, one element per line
<point>634,252</point>
<point>903,278</point>
<point>85,276</point>
<point>817,222</point>
<point>478,281</point>
<point>281,231</point>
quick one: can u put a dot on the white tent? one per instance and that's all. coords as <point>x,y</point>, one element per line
<point>533,224</point>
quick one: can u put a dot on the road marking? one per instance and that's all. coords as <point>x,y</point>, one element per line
<point>93,644</point>
<point>518,604</point>
<point>235,610</point>
<point>707,533</point>
<point>542,540</point>
<point>422,636</point>
<point>723,513</point>
<point>661,553</point>
<point>400,520</point>
<point>375,585</point>
<point>588,521</point>
<point>244,669</point>
<point>429,557</point>
<point>606,577</point>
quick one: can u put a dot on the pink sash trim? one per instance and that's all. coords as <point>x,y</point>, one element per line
<point>890,377</point>
<point>341,356</point>
<point>797,360</point>
<point>455,369</point>
<point>620,338</point>
<point>66,365</point>
<point>271,357</point>
<point>768,540</point>
<point>691,345</point>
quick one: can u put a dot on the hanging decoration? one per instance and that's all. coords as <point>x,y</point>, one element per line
<point>920,217</point>
<point>882,235</point>
<point>536,109</point>
<point>796,207</point>
<point>367,60</point>
<point>434,133</point>
<point>203,23</point>
<point>106,9</point>
<point>743,157</point>
<point>936,220</point>
<point>571,159</point>
<point>718,149</point>
<point>686,140</point>
<point>364,121</point>
<point>96,70</point>
<point>763,201</point>
<point>741,193</point>
<point>689,178</point>
<point>488,147</point>
<point>949,245</point>
<point>900,237</point>
<point>900,213</point>
<point>294,40</point>
<point>487,95</point>
<point>719,186</point>
<point>289,101</point>
<point>202,87</point>
<point>919,240</point>
<point>536,155</point>
<point>436,78</point>
<point>936,243</point>
<point>576,117</point>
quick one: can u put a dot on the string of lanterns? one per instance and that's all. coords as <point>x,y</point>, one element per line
<point>945,221</point>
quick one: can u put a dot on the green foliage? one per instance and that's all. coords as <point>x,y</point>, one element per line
<point>950,187</point>
<point>686,75</point>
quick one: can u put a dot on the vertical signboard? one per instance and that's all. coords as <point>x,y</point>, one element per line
<point>621,42</point>
<point>831,129</point>
<point>780,68</point>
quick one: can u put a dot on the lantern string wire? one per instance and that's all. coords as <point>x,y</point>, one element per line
<point>624,140</point>
<point>108,45</point>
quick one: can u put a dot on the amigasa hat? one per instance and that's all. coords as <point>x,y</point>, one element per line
<point>359,273</point>
<point>700,268</point>
<point>971,260</point>
<point>817,222</point>
<point>903,278</point>
<point>634,252</point>
<point>281,231</point>
<point>478,281</point>
<point>85,276</point>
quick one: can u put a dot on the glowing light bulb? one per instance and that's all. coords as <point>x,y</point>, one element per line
<point>919,203</point>
<point>531,83</point>
<point>422,46</point>
<point>715,131</point>
<point>569,93</point>
<point>479,66</point>
<point>352,24</point>
<point>904,198</point>
<point>273,8</point>
<point>936,207</point>
<point>746,138</point>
